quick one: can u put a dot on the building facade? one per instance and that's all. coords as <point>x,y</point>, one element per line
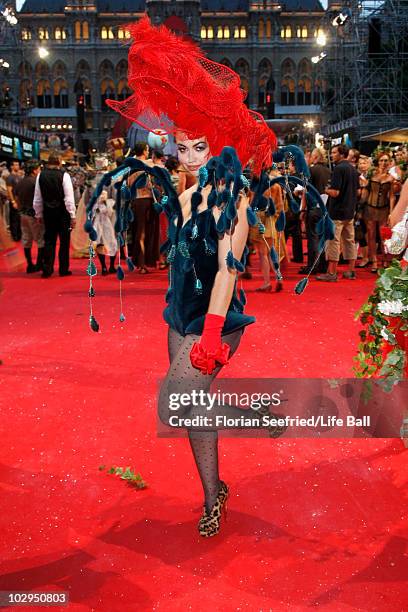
<point>68,56</point>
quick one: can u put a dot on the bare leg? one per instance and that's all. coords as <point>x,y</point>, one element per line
<point>264,265</point>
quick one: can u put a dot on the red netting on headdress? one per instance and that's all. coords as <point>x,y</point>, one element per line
<point>176,88</point>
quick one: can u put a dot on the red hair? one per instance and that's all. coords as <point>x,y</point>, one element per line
<point>176,88</point>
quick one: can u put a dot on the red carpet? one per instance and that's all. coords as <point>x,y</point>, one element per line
<point>311,523</point>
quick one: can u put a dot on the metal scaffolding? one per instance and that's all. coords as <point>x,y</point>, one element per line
<point>366,68</point>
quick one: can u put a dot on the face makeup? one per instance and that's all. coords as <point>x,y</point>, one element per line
<point>192,154</point>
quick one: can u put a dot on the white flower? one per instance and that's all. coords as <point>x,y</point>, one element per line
<point>392,307</point>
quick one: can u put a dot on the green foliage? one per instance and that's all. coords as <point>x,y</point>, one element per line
<point>379,330</point>
<point>132,478</point>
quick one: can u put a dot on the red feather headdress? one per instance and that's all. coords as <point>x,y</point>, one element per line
<point>176,88</point>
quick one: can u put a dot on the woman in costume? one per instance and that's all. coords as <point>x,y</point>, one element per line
<point>264,235</point>
<point>379,198</point>
<point>201,103</point>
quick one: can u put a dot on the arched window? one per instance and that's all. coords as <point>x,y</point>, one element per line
<point>59,70</point>
<point>288,32</point>
<point>261,29</point>
<point>227,33</point>
<point>304,32</point>
<point>305,67</point>
<point>78,30</point>
<point>107,91</point>
<point>203,32</point>
<point>268,28</point>
<point>236,32</point>
<point>220,32</point>
<point>121,69</point>
<point>288,67</point>
<point>299,32</point>
<point>83,83</point>
<point>123,90</point>
<point>287,92</point>
<point>26,34</point>
<point>123,34</point>
<point>60,34</point>
<point>88,94</point>
<point>82,69</point>
<point>106,69</point>
<point>85,30</point>
<point>60,93</point>
<point>265,83</point>
<point>83,88</point>
<point>226,62</point>
<point>42,70</point>
<point>242,68</point>
<point>243,32</point>
<point>44,94</point>
<point>43,34</point>
<point>210,32</point>
<point>304,96</point>
<point>26,93</point>
<point>25,70</point>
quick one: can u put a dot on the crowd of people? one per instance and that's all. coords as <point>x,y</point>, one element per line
<point>361,193</point>
<point>44,204</point>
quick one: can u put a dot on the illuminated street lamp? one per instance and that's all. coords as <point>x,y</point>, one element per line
<point>43,52</point>
<point>342,17</point>
<point>9,16</point>
<point>309,125</point>
<point>318,58</point>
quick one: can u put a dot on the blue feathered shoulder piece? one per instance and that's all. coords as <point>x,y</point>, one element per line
<point>225,169</point>
<point>148,175</point>
<point>294,153</point>
<point>118,178</point>
<point>262,201</point>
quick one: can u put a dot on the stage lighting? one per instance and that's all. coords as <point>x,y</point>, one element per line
<point>342,17</point>
<point>43,52</point>
<point>9,16</point>
<point>318,58</point>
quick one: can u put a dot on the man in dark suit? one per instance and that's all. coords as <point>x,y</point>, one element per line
<point>54,204</point>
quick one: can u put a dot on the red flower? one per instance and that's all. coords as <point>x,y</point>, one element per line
<point>208,361</point>
<point>385,232</point>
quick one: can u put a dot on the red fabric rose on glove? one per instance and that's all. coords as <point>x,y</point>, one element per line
<point>385,232</point>
<point>210,352</point>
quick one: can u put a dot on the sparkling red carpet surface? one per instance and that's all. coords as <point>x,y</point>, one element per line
<point>311,523</point>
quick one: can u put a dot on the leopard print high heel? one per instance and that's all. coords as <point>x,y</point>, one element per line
<point>209,524</point>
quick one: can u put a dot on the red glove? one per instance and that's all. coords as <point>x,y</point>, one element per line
<point>210,352</point>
